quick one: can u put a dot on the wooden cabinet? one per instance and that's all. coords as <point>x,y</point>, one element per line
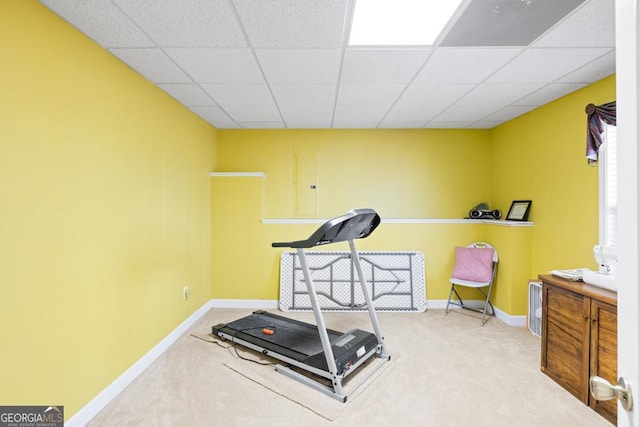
<point>579,338</point>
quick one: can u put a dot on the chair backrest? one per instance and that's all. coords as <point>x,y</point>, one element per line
<point>485,245</point>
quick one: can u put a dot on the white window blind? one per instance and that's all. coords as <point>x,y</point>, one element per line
<point>608,192</point>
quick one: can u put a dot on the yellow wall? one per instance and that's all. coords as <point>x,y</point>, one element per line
<point>104,212</point>
<point>245,266</point>
<point>541,156</point>
<point>426,173</point>
<point>401,173</point>
<point>514,249</point>
<point>238,263</point>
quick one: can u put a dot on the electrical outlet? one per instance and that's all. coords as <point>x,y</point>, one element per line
<point>186,293</point>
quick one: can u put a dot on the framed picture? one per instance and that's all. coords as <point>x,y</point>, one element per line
<point>519,210</point>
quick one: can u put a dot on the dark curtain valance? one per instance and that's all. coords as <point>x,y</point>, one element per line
<point>596,116</point>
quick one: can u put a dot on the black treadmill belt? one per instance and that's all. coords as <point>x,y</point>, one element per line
<point>296,339</point>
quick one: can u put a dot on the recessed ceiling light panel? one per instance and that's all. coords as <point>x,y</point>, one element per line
<point>400,22</point>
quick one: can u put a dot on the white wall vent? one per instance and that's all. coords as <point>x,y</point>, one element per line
<point>534,314</point>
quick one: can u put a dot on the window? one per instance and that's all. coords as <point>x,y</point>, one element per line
<point>608,191</point>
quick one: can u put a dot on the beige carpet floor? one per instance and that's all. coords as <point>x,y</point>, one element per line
<point>445,371</point>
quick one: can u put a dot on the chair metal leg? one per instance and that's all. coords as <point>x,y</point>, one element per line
<point>487,303</point>
<point>453,290</point>
<point>446,310</point>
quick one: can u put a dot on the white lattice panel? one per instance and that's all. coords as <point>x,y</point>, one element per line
<point>395,280</point>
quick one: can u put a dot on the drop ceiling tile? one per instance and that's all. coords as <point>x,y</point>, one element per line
<point>188,94</point>
<point>252,113</point>
<point>414,114</point>
<point>218,65</point>
<point>245,102</point>
<point>225,94</point>
<point>152,64</point>
<point>465,113</point>
<point>101,21</point>
<point>309,124</point>
<point>434,94</point>
<point>592,72</point>
<point>592,25</point>
<point>497,94</point>
<point>304,94</point>
<point>186,23</point>
<point>371,113</point>
<point>300,65</point>
<point>366,124</point>
<point>261,125</point>
<point>545,65</point>
<point>369,94</point>
<point>296,113</point>
<point>390,124</point>
<point>464,65</point>
<point>549,93</point>
<point>293,23</point>
<point>508,113</point>
<point>423,102</point>
<point>448,124</point>
<point>382,65</point>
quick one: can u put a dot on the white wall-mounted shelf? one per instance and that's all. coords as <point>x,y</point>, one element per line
<point>239,174</point>
<point>406,221</point>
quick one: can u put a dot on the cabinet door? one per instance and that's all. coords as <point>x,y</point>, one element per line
<point>604,363</point>
<point>565,340</point>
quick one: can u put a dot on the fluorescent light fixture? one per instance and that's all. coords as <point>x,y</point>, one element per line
<point>400,22</point>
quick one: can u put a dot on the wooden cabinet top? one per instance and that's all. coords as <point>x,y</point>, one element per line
<point>590,291</point>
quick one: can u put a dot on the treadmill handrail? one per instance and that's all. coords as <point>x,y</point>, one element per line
<point>355,224</point>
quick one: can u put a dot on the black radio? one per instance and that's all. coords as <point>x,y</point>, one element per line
<point>482,211</point>
<point>485,214</point>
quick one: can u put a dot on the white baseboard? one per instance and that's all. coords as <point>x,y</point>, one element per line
<point>90,410</point>
<point>500,315</point>
<point>511,320</point>
<point>244,303</point>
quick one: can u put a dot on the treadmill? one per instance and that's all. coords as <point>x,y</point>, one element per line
<point>314,349</point>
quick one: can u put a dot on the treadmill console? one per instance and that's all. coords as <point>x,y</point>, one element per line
<point>355,224</point>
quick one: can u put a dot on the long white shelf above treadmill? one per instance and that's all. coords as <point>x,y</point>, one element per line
<point>407,221</point>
